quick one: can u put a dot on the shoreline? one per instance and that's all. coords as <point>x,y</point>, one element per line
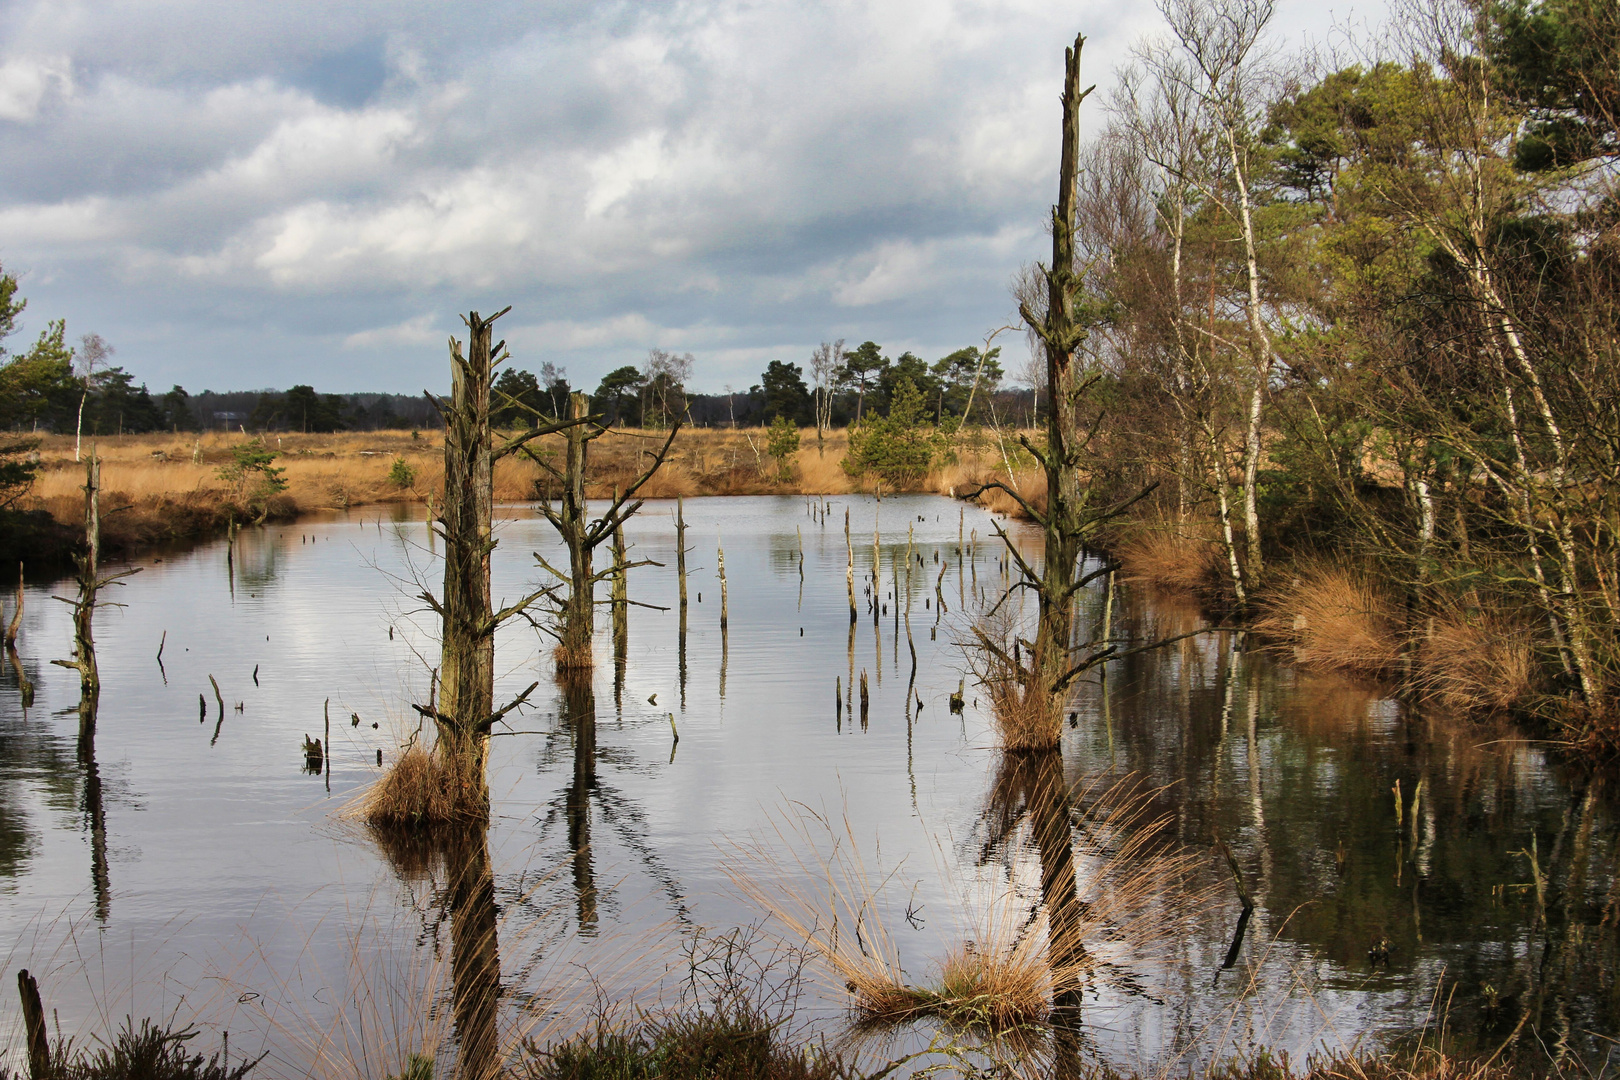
<point>162,490</point>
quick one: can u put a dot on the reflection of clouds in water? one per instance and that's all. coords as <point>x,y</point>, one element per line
<point>241,844</point>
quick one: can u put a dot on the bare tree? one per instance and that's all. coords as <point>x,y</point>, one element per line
<point>824,365</point>
<point>465,711</point>
<point>666,375</point>
<point>576,607</point>
<point>92,357</point>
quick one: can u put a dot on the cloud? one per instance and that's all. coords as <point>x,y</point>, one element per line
<point>25,81</point>
<point>740,180</point>
<point>418,330</point>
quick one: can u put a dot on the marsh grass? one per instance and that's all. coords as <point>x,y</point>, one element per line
<point>148,1052</point>
<point>735,1042</point>
<point>420,789</point>
<point>1334,616</point>
<point>999,985</point>
<point>1476,663</point>
<point>1170,558</point>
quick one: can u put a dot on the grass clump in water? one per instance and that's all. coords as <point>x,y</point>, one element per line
<point>151,1052</point>
<point>735,1041</point>
<point>421,789</point>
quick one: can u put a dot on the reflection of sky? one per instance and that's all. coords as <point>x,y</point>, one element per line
<point>216,849</point>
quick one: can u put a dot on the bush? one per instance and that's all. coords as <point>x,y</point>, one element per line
<point>251,462</point>
<point>401,475</point>
<point>899,447</point>
<point>783,443</point>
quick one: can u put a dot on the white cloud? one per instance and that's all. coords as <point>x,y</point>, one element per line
<point>418,330</point>
<point>741,180</point>
<point>26,80</point>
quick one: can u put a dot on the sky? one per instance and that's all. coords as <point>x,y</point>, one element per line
<point>244,195</point>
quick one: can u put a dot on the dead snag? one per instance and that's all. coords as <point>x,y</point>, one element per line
<point>84,607</point>
<point>575,609</point>
<point>465,708</point>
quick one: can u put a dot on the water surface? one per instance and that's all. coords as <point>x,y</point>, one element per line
<point>194,866</point>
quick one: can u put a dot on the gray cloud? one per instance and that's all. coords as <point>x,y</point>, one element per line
<point>251,194</point>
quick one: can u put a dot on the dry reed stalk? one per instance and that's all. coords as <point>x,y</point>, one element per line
<point>1334,617</point>
<point>1477,664</point>
<point>1169,560</point>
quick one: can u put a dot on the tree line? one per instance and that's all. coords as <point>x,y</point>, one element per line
<point>1370,307</point>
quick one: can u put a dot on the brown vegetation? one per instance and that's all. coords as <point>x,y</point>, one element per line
<point>421,788</point>
<point>1334,617</point>
<point>1169,558</point>
<point>1476,664</point>
<point>165,488</point>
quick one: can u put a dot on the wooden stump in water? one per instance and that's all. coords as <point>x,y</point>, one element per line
<point>38,1039</point>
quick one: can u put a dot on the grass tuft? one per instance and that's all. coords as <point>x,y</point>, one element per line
<point>1170,560</point>
<point>1334,617</point>
<point>1476,664</point>
<point>152,1052</point>
<point>737,1042</point>
<point>421,789</point>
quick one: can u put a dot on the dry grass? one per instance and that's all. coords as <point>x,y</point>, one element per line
<point>419,789</point>
<point>1334,617</point>
<point>1027,717</point>
<point>166,488</point>
<point>1000,983</point>
<point>1476,664</point>
<point>1170,558</point>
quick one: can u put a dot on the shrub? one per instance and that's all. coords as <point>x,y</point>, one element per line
<point>251,463</point>
<point>401,475</point>
<point>899,447</point>
<point>782,441</point>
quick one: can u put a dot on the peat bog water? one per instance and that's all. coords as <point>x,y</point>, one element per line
<point>195,867</point>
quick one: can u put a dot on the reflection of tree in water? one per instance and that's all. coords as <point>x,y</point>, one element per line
<point>456,861</point>
<point>573,807</point>
<point>1108,881</point>
<point>256,557</point>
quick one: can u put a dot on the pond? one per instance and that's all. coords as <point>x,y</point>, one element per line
<point>193,866</point>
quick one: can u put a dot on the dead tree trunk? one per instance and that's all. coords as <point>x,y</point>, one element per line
<point>84,607</point>
<point>1069,519</point>
<point>576,608</point>
<point>465,711</point>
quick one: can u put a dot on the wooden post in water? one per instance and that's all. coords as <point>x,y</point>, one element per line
<point>864,699</point>
<point>720,549</point>
<point>35,1032</point>
<point>16,615</point>
<point>680,571</point>
<point>849,569</point>
<point>680,555</point>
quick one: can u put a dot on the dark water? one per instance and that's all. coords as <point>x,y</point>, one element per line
<point>195,868</point>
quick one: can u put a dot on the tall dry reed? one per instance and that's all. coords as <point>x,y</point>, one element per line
<point>1476,663</point>
<point>1334,616</point>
